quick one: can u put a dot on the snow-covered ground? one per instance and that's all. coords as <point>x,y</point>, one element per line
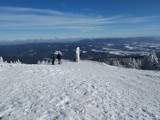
<point>78,91</point>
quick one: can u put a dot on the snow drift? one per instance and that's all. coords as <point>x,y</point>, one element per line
<point>85,90</point>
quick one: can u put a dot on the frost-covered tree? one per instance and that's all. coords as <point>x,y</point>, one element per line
<point>17,62</point>
<point>134,64</point>
<point>130,63</point>
<point>39,62</point>
<point>150,62</point>
<point>44,62</point>
<point>137,63</point>
<point>116,62</point>
<point>154,59</point>
<point>1,59</point>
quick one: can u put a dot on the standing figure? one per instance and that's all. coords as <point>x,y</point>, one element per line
<point>53,58</point>
<point>77,54</point>
<point>59,57</point>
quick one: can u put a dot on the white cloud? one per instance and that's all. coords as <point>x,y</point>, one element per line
<point>153,27</point>
<point>142,19</point>
<point>29,18</point>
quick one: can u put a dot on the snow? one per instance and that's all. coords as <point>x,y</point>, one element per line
<point>130,47</point>
<point>78,91</point>
<point>119,52</point>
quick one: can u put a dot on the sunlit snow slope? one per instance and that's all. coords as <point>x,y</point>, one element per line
<point>78,91</point>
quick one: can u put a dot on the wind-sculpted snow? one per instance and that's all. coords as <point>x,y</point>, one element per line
<point>78,91</point>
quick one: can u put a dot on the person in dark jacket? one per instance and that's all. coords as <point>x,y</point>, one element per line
<point>59,57</point>
<point>53,58</point>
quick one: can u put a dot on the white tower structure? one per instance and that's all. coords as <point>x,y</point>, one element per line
<point>77,54</point>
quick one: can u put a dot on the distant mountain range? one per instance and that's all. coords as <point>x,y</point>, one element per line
<point>92,49</point>
<point>121,40</point>
<point>86,41</point>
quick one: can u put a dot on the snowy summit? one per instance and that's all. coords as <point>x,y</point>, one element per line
<point>78,91</point>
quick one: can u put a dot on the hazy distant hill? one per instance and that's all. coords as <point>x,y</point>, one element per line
<point>121,40</point>
<point>92,49</point>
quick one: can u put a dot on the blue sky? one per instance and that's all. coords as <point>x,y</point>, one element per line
<point>52,19</point>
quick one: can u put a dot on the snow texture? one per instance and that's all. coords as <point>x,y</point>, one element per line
<point>78,91</point>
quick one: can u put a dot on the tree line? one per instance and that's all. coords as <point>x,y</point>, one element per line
<point>148,62</point>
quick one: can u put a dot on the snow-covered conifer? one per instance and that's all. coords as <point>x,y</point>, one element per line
<point>18,62</point>
<point>131,64</point>
<point>43,62</point>
<point>39,62</point>
<point>150,62</point>
<point>116,62</point>
<point>1,59</point>
<point>135,64</point>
